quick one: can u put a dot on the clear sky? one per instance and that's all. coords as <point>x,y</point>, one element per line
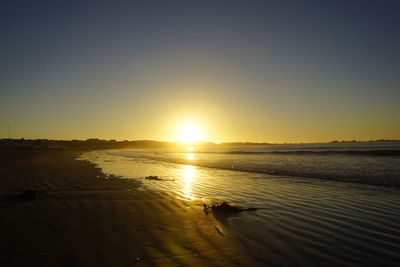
<point>264,71</point>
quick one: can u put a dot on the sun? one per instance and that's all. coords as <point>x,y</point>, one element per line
<point>189,133</point>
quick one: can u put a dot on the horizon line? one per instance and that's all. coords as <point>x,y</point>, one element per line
<point>203,142</point>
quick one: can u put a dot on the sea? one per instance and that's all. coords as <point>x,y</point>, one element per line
<point>318,204</point>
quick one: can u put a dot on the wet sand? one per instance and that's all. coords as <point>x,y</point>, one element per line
<point>301,222</point>
<point>84,218</point>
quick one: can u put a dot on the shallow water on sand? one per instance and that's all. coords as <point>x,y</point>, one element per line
<point>302,221</point>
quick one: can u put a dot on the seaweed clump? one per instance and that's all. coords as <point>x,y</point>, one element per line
<point>28,195</point>
<point>155,177</point>
<point>225,207</point>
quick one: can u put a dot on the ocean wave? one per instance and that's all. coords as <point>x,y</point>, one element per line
<point>387,153</point>
<point>320,173</point>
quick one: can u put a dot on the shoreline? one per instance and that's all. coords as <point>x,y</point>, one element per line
<point>303,222</point>
<point>84,218</point>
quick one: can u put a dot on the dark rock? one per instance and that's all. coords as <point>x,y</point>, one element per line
<point>28,195</point>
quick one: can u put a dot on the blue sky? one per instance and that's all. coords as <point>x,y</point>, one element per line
<point>273,71</point>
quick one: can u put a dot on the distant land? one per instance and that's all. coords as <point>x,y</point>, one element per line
<point>95,144</point>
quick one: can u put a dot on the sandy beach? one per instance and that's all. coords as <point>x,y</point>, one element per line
<point>300,221</point>
<point>85,218</point>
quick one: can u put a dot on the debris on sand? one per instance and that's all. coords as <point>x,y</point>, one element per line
<point>136,260</point>
<point>28,195</point>
<point>156,178</point>
<point>219,231</point>
<point>225,207</point>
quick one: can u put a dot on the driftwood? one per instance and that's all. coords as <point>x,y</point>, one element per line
<point>225,207</point>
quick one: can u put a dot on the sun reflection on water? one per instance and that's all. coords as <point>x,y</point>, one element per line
<point>189,156</point>
<point>189,173</point>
